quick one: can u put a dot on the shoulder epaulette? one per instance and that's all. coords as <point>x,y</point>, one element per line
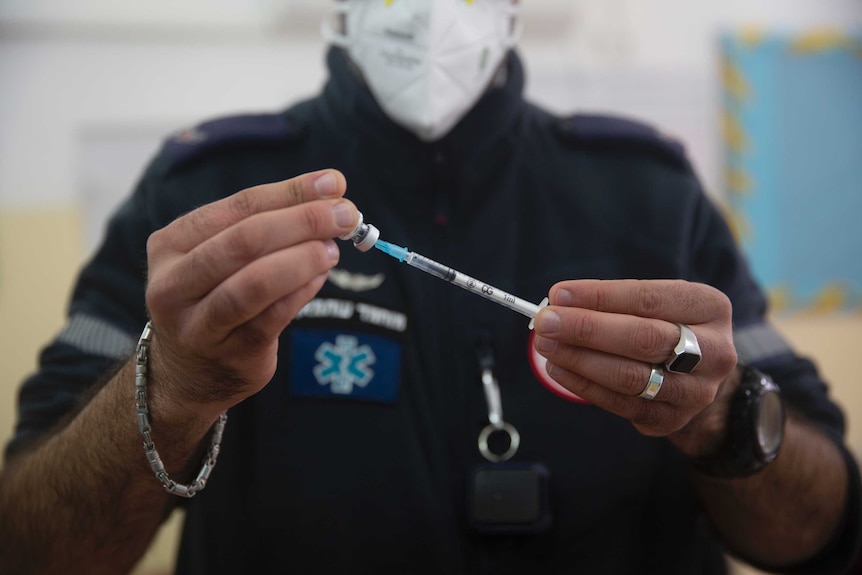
<point>621,133</point>
<point>188,144</point>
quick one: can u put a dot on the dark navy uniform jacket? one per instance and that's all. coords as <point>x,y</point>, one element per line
<point>356,457</point>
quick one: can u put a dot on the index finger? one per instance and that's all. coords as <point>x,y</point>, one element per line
<point>203,223</point>
<point>676,301</point>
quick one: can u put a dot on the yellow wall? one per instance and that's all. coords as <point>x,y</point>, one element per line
<point>40,253</point>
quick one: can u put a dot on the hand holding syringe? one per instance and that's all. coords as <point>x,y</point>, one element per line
<point>365,236</point>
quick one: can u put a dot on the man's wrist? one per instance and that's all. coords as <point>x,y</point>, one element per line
<point>142,362</point>
<point>172,407</point>
<point>705,433</point>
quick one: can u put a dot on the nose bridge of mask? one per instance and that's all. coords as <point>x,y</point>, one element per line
<point>481,18</point>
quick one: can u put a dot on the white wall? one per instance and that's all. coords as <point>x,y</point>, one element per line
<point>56,90</point>
<point>72,67</point>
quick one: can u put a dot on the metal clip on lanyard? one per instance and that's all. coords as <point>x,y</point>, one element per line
<point>495,410</point>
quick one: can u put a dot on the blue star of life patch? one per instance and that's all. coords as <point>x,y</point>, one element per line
<point>329,363</point>
<point>344,364</point>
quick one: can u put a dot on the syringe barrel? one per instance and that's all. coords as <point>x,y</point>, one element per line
<point>471,284</point>
<point>448,274</point>
<point>497,295</point>
<point>428,265</point>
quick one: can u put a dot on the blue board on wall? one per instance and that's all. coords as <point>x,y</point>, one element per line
<point>793,139</point>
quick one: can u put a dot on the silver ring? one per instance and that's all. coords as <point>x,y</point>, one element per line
<point>514,441</point>
<point>656,378</point>
<point>686,355</point>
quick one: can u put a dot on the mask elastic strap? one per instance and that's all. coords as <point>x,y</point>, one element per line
<point>329,33</point>
<point>515,35</point>
<point>513,38</point>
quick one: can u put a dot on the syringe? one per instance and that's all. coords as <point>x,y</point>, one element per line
<point>364,236</point>
<point>448,274</point>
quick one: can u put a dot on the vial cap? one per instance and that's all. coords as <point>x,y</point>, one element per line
<point>367,241</point>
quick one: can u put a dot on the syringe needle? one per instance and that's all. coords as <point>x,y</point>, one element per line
<point>462,280</point>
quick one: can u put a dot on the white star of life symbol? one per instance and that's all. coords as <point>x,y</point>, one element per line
<point>344,364</point>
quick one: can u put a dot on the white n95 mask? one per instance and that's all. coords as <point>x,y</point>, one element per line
<point>426,62</point>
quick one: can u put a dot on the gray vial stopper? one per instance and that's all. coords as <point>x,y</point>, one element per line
<point>366,238</point>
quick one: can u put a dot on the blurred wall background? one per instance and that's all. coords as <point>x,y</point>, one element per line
<point>88,88</point>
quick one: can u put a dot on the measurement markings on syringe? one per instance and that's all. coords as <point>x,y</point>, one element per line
<point>489,290</point>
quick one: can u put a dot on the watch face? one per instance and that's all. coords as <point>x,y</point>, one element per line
<point>770,425</point>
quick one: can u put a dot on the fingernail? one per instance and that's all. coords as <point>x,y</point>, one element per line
<point>545,345</point>
<point>326,185</point>
<point>548,323</point>
<point>345,215</point>
<point>331,249</point>
<point>564,297</point>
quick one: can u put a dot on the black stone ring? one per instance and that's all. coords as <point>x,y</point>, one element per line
<point>686,355</point>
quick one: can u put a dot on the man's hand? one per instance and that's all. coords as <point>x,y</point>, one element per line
<point>227,278</point>
<point>224,281</point>
<point>602,339</point>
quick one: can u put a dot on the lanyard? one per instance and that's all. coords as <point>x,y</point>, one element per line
<point>496,423</point>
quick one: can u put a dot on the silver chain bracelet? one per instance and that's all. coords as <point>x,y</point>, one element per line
<point>141,361</point>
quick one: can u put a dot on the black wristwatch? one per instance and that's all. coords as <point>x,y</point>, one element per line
<point>755,429</point>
